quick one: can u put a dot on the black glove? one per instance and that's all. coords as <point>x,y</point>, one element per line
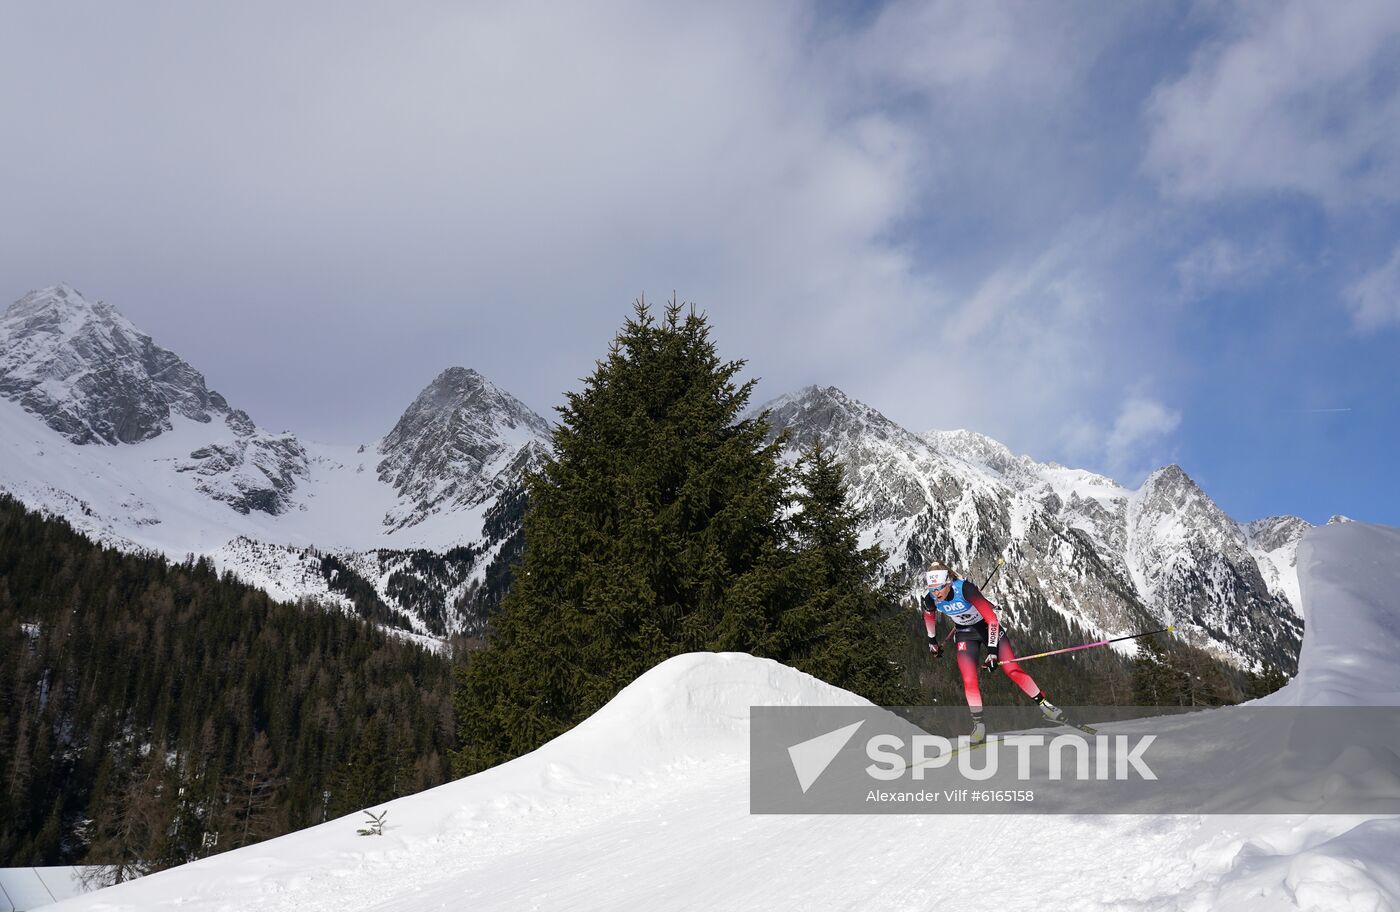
<point>990,662</point>
<point>935,648</point>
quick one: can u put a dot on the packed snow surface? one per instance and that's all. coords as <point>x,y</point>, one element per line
<point>644,806</point>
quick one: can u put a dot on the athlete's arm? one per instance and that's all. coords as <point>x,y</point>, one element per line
<point>930,622</point>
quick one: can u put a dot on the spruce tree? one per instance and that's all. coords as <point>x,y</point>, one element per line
<point>844,623</point>
<point>1264,682</point>
<point>1158,678</point>
<point>659,525</point>
<point>653,529</point>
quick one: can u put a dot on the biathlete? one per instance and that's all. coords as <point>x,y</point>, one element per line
<point>976,629</point>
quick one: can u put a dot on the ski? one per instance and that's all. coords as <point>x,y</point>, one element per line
<point>966,748</point>
<point>975,745</point>
<point>1063,718</point>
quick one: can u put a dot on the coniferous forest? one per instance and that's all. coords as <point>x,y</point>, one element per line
<point>145,704</point>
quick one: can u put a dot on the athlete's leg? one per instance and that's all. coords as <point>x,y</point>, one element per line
<point>967,652</point>
<point>1006,657</point>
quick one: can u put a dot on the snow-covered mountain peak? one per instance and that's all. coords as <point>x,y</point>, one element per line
<point>828,413</point>
<point>458,397</point>
<point>91,375</point>
<point>88,373</point>
<point>1172,500</point>
<point>1192,559</point>
<point>461,441</point>
<point>44,323</point>
<point>1170,513</point>
<point>56,301</point>
<point>1170,477</point>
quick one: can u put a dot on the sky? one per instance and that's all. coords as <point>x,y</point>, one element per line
<point>1115,236</point>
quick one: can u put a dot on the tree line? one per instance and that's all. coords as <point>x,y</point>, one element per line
<point>155,712</point>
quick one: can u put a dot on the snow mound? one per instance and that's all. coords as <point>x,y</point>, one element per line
<point>688,710</point>
<point>702,698</point>
<point>1350,579</point>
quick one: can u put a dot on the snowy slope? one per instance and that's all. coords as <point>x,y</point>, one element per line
<point>644,806</point>
<point>134,497</point>
<point>143,494</point>
<point>1193,562</point>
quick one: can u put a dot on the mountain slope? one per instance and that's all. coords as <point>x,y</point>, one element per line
<point>1109,559</point>
<point>1273,541</point>
<point>1194,563</point>
<point>113,662</point>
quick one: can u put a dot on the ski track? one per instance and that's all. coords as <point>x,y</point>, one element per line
<point>685,835</point>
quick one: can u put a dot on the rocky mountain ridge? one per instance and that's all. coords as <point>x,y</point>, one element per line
<point>417,530</point>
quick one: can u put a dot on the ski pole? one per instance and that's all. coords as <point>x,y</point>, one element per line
<point>993,574</point>
<point>985,584</point>
<point>1131,636</point>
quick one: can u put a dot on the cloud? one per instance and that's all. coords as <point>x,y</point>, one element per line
<point>1038,353</point>
<point>956,54</point>
<point>1291,96</point>
<point>362,200</point>
<point>938,206</point>
<point>1023,320</point>
<point>1375,297</point>
<point>1141,424</point>
<point>1223,263</point>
